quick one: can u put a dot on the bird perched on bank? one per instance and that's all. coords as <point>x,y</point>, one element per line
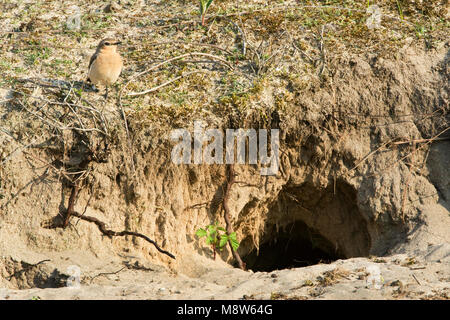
<point>106,64</point>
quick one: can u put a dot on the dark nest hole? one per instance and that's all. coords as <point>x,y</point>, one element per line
<point>294,246</point>
<point>307,225</point>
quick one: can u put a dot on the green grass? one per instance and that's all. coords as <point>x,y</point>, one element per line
<point>60,67</point>
<point>36,54</point>
<point>5,65</point>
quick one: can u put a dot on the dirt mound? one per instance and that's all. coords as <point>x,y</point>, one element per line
<point>364,150</point>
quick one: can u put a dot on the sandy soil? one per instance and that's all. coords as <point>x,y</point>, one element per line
<point>364,119</point>
<point>395,277</point>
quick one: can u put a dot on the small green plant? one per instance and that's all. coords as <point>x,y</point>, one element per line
<point>204,5</point>
<point>217,237</point>
<point>36,55</point>
<point>276,296</point>
<point>400,10</point>
<point>420,30</point>
<point>308,283</point>
<point>78,92</point>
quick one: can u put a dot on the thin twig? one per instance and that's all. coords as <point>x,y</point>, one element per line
<point>30,183</point>
<point>106,273</point>
<point>174,59</point>
<point>323,52</point>
<point>417,268</point>
<point>71,109</point>
<point>419,141</point>
<point>134,94</point>
<point>91,108</point>
<point>197,44</point>
<point>16,150</point>
<point>292,197</point>
<point>49,165</point>
<point>416,279</point>
<point>210,26</point>
<point>198,205</point>
<point>415,150</point>
<point>244,42</point>
<point>302,52</point>
<point>110,233</point>
<point>58,125</point>
<point>369,155</point>
<point>280,8</point>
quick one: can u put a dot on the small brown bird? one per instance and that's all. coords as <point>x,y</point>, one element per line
<point>106,64</point>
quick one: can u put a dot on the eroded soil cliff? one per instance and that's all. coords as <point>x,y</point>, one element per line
<point>363,117</point>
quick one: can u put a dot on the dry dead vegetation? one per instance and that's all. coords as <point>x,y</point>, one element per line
<point>250,65</point>
<point>219,69</point>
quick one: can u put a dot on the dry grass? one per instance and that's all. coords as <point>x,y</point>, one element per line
<point>290,47</point>
<point>331,277</point>
<point>284,43</point>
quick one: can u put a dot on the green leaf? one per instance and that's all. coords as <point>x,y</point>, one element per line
<point>204,5</point>
<point>201,233</point>
<point>212,228</point>
<point>221,229</point>
<point>234,244</point>
<point>233,240</point>
<point>209,240</point>
<point>223,240</point>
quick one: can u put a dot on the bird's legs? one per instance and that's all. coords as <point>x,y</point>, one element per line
<point>106,93</point>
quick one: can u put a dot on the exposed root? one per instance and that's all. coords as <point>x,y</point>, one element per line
<point>110,233</point>
<point>59,222</point>
<point>72,200</point>
<point>106,273</point>
<point>226,208</point>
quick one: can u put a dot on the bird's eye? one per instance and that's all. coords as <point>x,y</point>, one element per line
<point>107,43</point>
